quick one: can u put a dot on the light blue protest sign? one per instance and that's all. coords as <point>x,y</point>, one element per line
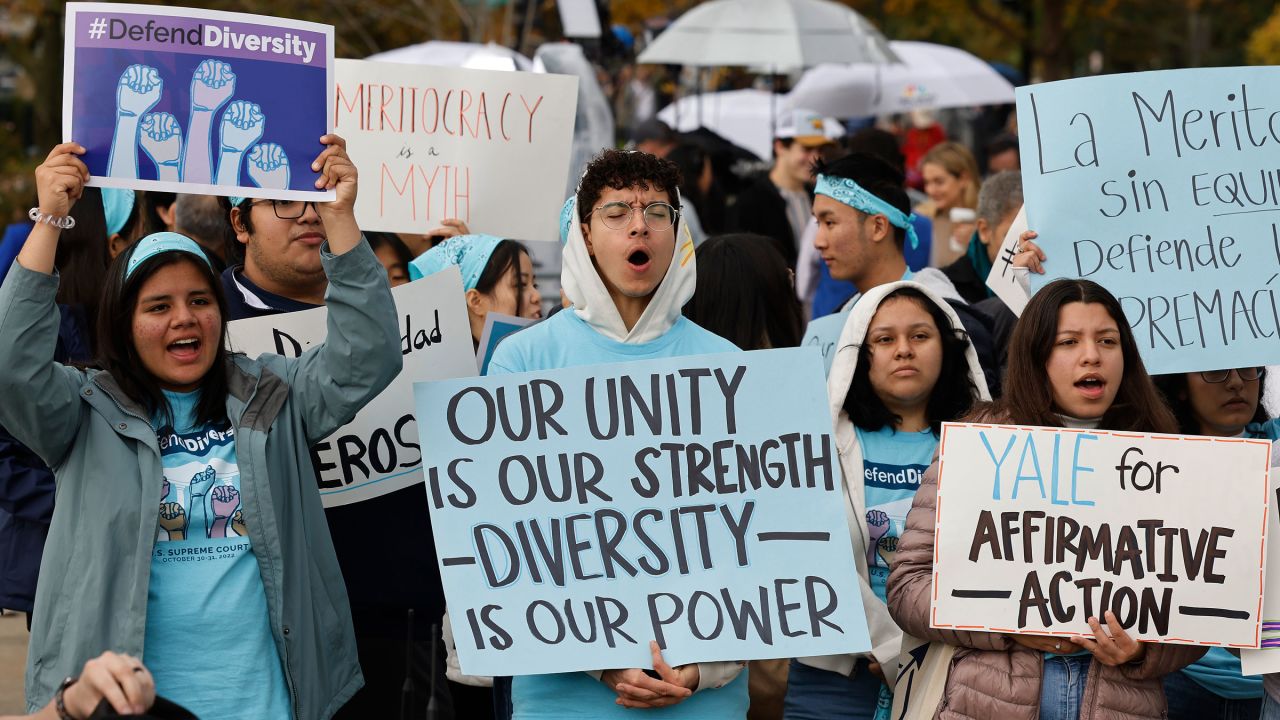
<point>1164,188</point>
<point>824,333</point>
<point>497,327</point>
<point>696,501</point>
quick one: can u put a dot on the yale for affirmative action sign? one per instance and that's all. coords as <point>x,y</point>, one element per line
<point>580,513</point>
<point>1039,529</point>
<point>1164,188</point>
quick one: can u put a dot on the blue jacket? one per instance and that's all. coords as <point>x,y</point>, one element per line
<point>93,585</point>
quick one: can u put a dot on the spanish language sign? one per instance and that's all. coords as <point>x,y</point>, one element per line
<point>197,101</point>
<point>1163,187</point>
<point>580,513</point>
<point>1267,659</point>
<point>377,452</point>
<point>1039,529</point>
<point>436,142</point>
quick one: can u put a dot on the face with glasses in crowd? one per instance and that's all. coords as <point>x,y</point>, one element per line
<point>1223,402</point>
<point>282,241</point>
<point>631,235</point>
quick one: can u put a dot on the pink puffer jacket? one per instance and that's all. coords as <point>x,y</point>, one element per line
<point>991,676</point>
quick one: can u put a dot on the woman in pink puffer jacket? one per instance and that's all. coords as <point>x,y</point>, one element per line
<point>1072,363</point>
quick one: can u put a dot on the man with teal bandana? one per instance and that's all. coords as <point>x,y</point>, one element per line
<point>864,224</point>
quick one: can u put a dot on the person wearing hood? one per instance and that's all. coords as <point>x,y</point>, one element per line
<point>903,366</point>
<point>864,224</point>
<point>497,276</point>
<point>628,269</point>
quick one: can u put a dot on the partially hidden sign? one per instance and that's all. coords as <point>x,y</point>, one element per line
<point>377,452</point>
<point>696,501</point>
<point>1039,529</point>
<point>197,101</point>
<point>486,146</point>
<point>1163,187</point>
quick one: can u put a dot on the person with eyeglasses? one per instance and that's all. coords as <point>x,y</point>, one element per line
<point>1218,403</point>
<point>281,271</point>
<point>628,270</point>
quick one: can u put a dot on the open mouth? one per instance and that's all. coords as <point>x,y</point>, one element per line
<point>188,349</point>
<point>638,259</point>
<point>1091,386</point>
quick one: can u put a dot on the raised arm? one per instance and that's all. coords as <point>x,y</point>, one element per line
<point>40,395</point>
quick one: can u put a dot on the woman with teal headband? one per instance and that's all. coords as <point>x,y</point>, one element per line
<point>497,276</point>
<point>188,531</point>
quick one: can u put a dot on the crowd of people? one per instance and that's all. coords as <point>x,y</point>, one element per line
<point>158,499</point>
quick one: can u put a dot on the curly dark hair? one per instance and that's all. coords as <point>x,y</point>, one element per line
<point>953,394</point>
<point>622,169</point>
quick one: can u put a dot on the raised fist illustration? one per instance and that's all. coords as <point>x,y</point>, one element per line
<point>139,90</point>
<point>173,520</point>
<point>269,166</point>
<point>162,142</point>
<point>212,85</point>
<point>242,125</point>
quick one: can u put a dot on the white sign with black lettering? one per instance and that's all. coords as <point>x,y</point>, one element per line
<point>377,452</point>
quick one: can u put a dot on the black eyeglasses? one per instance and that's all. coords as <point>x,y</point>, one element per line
<point>289,209</point>
<point>1247,374</point>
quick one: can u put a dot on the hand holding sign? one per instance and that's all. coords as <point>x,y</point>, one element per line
<point>339,174</point>
<point>637,689</point>
<point>1112,647</point>
<point>60,179</point>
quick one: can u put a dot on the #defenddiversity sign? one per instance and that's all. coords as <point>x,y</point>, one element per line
<point>1039,529</point>
<point>696,501</point>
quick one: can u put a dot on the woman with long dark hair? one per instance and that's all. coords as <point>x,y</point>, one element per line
<point>1073,363</point>
<point>745,293</point>
<point>903,366</point>
<point>188,530</point>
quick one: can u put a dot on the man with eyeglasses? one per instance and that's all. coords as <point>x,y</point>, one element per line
<point>378,541</point>
<point>281,270</point>
<point>628,270</point>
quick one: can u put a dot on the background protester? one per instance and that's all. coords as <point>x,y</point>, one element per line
<point>951,181</point>
<point>497,276</point>
<point>393,255</point>
<point>1217,403</point>
<point>627,277</point>
<point>124,219</point>
<point>744,293</point>
<point>182,425</point>
<point>1073,363</point>
<point>864,224</point>
<point>903,366</point>
<point>203,219</point>
<point>999,201</point>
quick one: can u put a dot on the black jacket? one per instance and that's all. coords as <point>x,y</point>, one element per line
<point>761,209</point>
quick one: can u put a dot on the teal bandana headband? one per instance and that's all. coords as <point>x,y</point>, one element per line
<point>852,194</point>
<point>117,206</point>
<point>470,253</point>
<point>161,242</point>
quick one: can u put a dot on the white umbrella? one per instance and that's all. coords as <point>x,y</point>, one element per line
<point>930,76</point>
<point>457,54</point>
<point>783,34</point>
<point>739,116</point>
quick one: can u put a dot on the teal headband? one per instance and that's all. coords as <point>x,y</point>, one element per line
<point>470,253</point>
<point>162,242</point>
<point>844,190</point>
<point>567,212</point>
<point>117,206</point>
<point>236,201</point>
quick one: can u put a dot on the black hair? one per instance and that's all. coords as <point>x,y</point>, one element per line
<point>690,160</point>
<point>880,143</point>
<point>952,395</point>
<point>118,356</point>
<point>82,260</point>
<point>379,240</point>
<point>876,177</point>
<point>620,169</point>
<point>1003,142</point>
<point>505,257</point>
<point>744,293</point>
<point>151,202</point>
<point>1177,395</point>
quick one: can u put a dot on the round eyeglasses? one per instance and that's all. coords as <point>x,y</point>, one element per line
<point>658,216</point>
<point>289,209</point>
<point>1247,374</point>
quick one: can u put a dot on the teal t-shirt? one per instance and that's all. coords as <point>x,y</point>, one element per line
<point>208,638</point>
<point>566,340</point>
<point>893,463</point>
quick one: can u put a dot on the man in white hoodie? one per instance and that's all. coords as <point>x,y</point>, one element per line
<point>628,270</point>
<point>862,234</point>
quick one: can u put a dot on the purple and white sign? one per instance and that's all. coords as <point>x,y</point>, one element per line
<point>197,101</point>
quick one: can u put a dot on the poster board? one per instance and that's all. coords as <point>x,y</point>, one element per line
<point>377,452</point>
<point>197,101</point>
<point>485,146</point>
<point>1040,528</point>
<point>1162,187</point>
<point>580,513</point>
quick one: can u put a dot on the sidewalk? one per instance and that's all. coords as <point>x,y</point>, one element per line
<point>13,659</point>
